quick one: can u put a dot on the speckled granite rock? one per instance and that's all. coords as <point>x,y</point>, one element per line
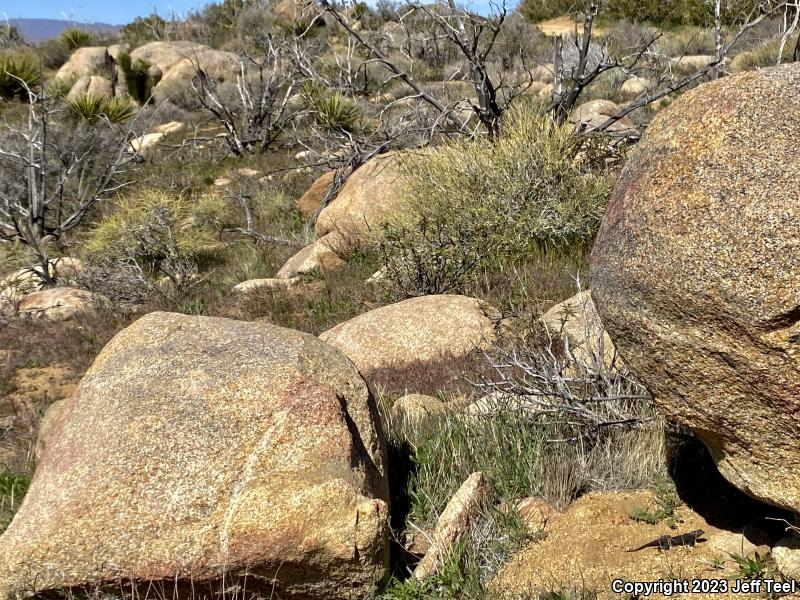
<point>199,445</point>
<point>696,273</point>
<point>413,338</point>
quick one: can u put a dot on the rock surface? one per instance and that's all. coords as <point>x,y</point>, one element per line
<point>587,547</point>
<point>406,346</point>
<point>268,283</point>
<point>85,62</point>
<point>309,202</point>
<point>368,198</point>
<point>58,304</point>
<point>786,553</point>
<point>216,445</point>
<point>593,114</point>
<point>465,505</point>
<point>47,427</point>
<point>576,319</point>
<point>322,254</point>
<point>696,274</point>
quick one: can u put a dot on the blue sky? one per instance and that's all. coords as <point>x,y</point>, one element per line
<point>116,12</point>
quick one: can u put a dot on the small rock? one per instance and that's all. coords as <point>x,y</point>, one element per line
<point>417,543</point>
<point>536,512</point>
<point>171,127</point>
<point>729,543</point>
<point>245,172</point>
<point>303,154</point>
<point>144,144</point>
<point>634,86</point>
<point>418,417</point>
<point>57,304</point>
<point>786,553</point>
<point>463,508</point>
<point>222,181</point>
<point>319,255</point>
<point>271,283</point>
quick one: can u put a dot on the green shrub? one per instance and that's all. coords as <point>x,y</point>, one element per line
<point>476,206</point>
<point>87,107</point>
<point>118,109</point>
<point>138,77</point>
<point>16,68</point>
<point>155,231</point>
<point>332,111</point>
<point>73,38</point>
<point>60,86</point>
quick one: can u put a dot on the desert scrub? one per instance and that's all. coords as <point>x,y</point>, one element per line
<point>158,235</point>
<point>73,38</point>
<point>475,206</point>
<point>18,69</point>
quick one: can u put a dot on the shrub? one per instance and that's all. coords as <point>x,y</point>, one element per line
<point>73,38</point>
<point>60,86</point>
<point>16,68</point>
<point>475,206</point>
<point>155,232</point>
<point>118,109</point>
<point>87,107</point>
<point>138,77</point>
<point>12,491</point>
<point>53,53</point>
<point>332,111</point>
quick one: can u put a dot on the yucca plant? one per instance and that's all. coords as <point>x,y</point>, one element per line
<point>118,110</point>
<point>59,87</point>
<point>87,107</point>
<point>74,38</point>
<point>334,111</point>
<point>16,69</point>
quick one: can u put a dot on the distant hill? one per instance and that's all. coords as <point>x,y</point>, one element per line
<point>37,30</point>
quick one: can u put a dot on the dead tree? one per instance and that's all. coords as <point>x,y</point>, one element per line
<point>54,173</point>
<point>646,57</point>
<point>255,111</point>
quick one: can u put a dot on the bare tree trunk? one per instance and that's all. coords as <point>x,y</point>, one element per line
<point>788,29</point>
<point>717,38</point>
<point>559,110</point>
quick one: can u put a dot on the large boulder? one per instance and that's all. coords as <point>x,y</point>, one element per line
<point>368,198</point>
<point>696,273</point>
<point>411,346</point>
<point>593,114</point>
<point>87,62</point>
<point>319,255</point>
<point>96,86</point>
<point>165,55</point>
<point>218,448</point>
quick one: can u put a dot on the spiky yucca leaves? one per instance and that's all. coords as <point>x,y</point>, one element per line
<point>332,111</point>
<point>118,110</point>
<point>93,108</point>
<point>16,71</point>
<point>74,38</point>
<point>87,107</point>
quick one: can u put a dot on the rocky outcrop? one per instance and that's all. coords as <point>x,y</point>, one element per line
<point>409,346</point>
<point>217,447</point>
<point>593,114</point>
<point>96,86</point>
<point>58,304</point>
<point>695,274</point>
<point>28,280</point>
<point>371,195</point>
<point>85,62</point>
